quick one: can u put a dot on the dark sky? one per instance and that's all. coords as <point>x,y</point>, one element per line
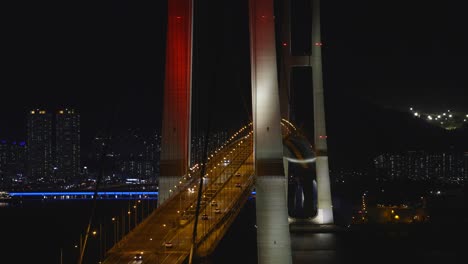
<point>397,53</point>
<point>106,58</point>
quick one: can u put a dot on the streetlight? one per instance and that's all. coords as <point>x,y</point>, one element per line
<point>136,214</point>
<point>115,223</point>
<point>129,220</point>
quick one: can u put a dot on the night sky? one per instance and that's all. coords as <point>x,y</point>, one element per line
<point>106,59</point>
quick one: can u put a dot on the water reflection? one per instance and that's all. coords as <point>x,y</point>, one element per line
<point>315,248</point>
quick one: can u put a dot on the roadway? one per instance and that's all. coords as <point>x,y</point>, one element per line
<point>166,235</point>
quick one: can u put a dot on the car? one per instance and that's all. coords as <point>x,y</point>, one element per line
<point>138,256</point>
<point>217,211</point>
<point>204,217</point>
<point>238,185</point>
<point>214,203</point>
<point>168,244</point>
<point>238,174</point>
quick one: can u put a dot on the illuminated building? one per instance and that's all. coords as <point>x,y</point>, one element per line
<point>12,162</point>
<point>39,133</point>
<point>135,154</point>
<point>445,167</point>
<point>214,142</point>
<point>67,145</point>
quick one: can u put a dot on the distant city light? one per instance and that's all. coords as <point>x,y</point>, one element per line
<point>448,120</point>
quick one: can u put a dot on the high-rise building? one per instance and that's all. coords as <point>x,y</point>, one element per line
<point>39,133</point>
<point>421,166</point>
<point>4,151</point>
<point>12,162</point>
<point>215,141</point>
<point>67,145</point>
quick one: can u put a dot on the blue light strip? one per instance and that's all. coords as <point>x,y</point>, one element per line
<point>79,193</point>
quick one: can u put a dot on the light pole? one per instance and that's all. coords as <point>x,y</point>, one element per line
<point>129,219</point>
<point>115,223</point>
<point>136,214</point>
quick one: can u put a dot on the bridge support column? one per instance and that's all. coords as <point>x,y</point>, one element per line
<point>324,206</point>
<point>273,239</point>
<point>175,142</point>
<point>324,203</point>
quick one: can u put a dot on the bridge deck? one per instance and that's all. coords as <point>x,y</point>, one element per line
<point>227,184</point>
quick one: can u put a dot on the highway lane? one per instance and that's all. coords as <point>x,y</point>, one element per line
<point>163,225</point>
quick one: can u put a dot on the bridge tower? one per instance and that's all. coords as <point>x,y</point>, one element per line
<point>324,203</point>
<point>273,239</point>
<point>314,61</point>
<point>175,143</point>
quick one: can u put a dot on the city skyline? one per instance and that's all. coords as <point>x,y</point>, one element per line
<point>107,60</point>
<point>391,131</point>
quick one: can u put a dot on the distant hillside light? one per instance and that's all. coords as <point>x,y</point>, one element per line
<point>448,120</point>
